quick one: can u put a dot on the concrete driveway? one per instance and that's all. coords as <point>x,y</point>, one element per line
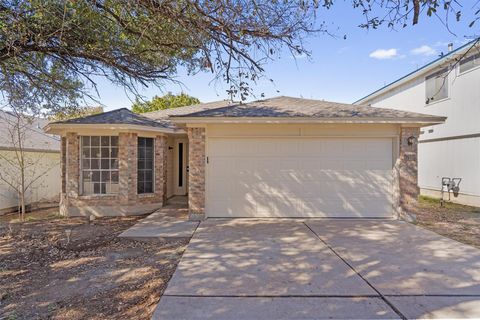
<point>314,269</point>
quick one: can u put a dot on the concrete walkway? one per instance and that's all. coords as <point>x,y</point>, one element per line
<point>290,269</point>
<point>171,221</point>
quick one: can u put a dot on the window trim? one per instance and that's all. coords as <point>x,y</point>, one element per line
<point>433,76</point>
<point>153,169</point>
<point>475,56</point>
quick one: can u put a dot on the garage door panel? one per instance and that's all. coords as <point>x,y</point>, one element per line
<point>309,148</point>
<point>277,186</point>
<point>226,208</point>
<point>332,148</point>
<point>277,206</point>
<point>321,177</point>
<point>223,188</point>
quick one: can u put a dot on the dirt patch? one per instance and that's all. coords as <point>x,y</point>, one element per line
<point>458,222</point>
<point>40,214</point>
<point>95,275</point>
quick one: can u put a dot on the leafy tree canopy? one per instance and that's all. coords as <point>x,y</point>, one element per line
<point>167,101</point>
<point>78,112</point>
<point>52,52</point>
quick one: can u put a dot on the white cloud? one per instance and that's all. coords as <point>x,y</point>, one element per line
<point>384,54</point>
<point>424,51</point>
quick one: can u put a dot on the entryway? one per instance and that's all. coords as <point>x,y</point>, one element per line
<point>180,166</point>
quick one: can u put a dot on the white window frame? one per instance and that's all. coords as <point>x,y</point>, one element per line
<point>440,75</point>
<point>474,57</point>
<point>109,186</point>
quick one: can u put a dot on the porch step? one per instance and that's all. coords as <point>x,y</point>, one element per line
<point>178,200</point>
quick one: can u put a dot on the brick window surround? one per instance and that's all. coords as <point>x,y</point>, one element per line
<point>72,201</point>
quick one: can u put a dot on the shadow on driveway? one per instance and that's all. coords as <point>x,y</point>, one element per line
<point>288,269</point>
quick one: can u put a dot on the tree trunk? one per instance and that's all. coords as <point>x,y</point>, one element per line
<point>22,198</point>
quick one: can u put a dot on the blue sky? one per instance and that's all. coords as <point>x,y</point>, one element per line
<point>338,70</point>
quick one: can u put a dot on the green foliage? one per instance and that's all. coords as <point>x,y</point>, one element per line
<point>79,112</point>
<point>168,101</point>
<point>52,52</point>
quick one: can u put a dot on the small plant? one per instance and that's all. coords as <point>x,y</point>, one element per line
<point>12,316</point>
<point>68,233</point>
<point>52,307</point>
<point>428,199</point>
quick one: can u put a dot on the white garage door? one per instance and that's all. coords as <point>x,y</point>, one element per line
<point>309,177</point>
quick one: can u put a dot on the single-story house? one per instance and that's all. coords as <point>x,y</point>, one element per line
<point>278,157</point>
<point>42,163</point>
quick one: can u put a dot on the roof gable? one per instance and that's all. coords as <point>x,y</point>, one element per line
<point>118,116</point>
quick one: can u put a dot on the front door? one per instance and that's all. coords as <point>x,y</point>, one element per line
<point>180,165</point>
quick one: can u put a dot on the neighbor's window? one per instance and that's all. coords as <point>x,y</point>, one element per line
<point>470,62</point>
<point>436,86</point>
<point>145,165</point>
<point>99,164</point>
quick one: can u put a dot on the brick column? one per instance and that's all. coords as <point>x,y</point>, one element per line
<point>72,170</point>
<point>127,168</point>
<point>196,182</point>
<point>63,165</point>
<point>161,150</point>
<point>407,173</point>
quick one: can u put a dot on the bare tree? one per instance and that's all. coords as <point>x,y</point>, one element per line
<point>20,168</point>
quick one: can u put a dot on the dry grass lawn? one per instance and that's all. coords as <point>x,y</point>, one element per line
<point>94,276</point>
<point>458,222</point>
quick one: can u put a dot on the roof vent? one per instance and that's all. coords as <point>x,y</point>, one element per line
<point>450,47</point>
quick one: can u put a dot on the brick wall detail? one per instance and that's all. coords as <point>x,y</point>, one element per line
<point>161,150</point>
<point>196,182</point>
<point>127,193</point>
<point>127,168</point>
<point>407,174</point>
<point>72,165</point>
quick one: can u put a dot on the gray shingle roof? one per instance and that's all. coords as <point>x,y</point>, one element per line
<point>118,116</point>
<point>163,115</point>
<point>34,137</point>
<point>281,107</point>
<point>289,107</point>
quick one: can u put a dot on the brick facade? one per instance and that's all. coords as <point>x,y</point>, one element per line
<point>127,199</point>
<point>161,151</point>
<point>72,165</point>
<point>196,182</point>
<point>127,168</point>
<point>406,183</point>
<point>406,170</point>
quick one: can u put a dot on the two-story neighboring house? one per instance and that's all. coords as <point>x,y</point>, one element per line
<point>448,86</point>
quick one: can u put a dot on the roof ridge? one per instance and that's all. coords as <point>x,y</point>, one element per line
<point>93,115</point>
